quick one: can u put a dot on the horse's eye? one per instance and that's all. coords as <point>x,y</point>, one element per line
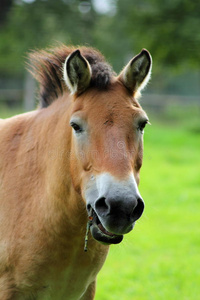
<point>142,125</point>
<point>77,128</point>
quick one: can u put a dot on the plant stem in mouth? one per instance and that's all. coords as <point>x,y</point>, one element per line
<point>89,223</point>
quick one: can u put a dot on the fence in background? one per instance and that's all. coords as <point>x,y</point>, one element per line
<point>26,97</point>
<point>162,101</point>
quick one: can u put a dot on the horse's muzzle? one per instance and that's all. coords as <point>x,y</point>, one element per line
<point>116,209</point>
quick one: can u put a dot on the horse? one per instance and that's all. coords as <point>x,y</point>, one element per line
<point>69,173</point>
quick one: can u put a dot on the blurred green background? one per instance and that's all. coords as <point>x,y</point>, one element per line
<point>160,258</point>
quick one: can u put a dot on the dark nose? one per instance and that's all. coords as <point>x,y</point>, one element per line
<point>131,208</point>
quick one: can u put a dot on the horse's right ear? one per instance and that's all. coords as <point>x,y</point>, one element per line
<point>77,72</point>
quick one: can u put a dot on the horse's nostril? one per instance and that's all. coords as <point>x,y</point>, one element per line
<point>101,205</point>
<point>138,210</point>
<point>118,208</point>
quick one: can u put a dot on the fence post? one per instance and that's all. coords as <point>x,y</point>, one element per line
<point>29,92</point>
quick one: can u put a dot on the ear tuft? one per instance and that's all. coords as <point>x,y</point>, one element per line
<point>77,72</point>
<point>137,72</point>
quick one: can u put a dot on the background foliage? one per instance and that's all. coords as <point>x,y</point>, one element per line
<point>170,30</point>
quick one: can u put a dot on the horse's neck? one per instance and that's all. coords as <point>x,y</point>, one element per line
<point>54,154</point>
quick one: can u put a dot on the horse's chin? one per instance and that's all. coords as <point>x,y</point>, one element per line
<point>100,234</point>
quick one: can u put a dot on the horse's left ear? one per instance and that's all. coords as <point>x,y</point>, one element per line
<point>77,72</point>
<point>136,74</point>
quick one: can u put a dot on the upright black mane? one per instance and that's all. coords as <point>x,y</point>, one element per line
<point>47,68</point>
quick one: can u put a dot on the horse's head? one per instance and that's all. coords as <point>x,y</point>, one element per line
<point>107,142</point>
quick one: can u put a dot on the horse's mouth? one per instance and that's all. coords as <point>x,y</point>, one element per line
<point>100,234</point>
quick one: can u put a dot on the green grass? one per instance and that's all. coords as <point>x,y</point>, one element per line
<point>160,258</point>
<point>6,112</point>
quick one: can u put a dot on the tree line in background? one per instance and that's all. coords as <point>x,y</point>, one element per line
<point>168,29</point>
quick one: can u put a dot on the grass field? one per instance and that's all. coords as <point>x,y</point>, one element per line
<point>160,258</point>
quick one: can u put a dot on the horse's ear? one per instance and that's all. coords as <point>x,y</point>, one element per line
<point>77,72</point>
<point>137,72</point>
